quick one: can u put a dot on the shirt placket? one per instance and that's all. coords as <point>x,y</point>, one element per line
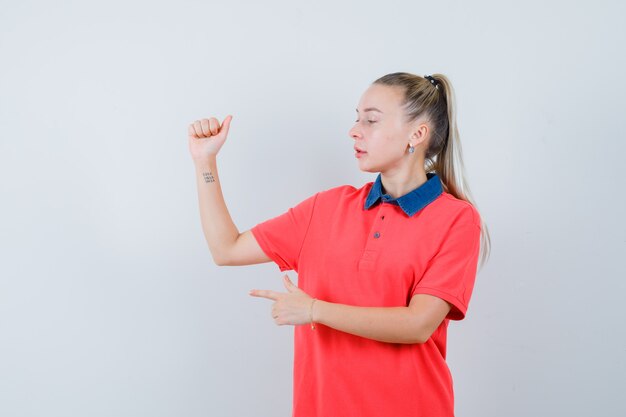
<point>376,237</point>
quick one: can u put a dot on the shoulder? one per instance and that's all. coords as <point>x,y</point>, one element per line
<point>456,210</point>
<point>341,197</point>
<point>343,191</point>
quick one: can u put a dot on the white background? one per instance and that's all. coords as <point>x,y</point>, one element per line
<point>110,303</point>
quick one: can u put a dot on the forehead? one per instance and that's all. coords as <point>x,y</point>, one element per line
<point>383,97</point>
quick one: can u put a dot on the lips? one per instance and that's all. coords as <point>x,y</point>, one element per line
<point>359,150</point>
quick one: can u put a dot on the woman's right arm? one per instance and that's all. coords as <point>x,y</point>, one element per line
<point>227,245</point>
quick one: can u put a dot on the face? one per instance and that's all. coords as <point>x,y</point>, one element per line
<point>381,131</point>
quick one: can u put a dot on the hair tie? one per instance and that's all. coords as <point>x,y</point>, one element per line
<point>432,81</point>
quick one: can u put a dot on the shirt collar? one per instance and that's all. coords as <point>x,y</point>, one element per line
<point>413,201</point>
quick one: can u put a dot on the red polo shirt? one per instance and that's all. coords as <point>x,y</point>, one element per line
<point>361,247</point>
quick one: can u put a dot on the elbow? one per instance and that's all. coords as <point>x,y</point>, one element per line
<point>419,334</point>
<point>218,260</point>
<point>412,337</point>
<point>416,340</point>
<point>224,255</point>
<point>421,338</point>
<point>422,327</point>
<point>423,334</point>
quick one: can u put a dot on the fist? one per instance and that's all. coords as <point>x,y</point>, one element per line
<point>206,137</point>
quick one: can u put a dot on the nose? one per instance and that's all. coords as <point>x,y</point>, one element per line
<point>354,133</point>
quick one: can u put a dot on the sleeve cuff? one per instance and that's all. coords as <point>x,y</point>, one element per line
<point>258,235</point>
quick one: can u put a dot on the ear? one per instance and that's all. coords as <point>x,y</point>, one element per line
<point>420,130</point>
<point>420,133</point>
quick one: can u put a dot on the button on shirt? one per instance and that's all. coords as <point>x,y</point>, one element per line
<point>362,247</point>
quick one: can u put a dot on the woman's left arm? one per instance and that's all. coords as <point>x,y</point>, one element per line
<point>412,324</point>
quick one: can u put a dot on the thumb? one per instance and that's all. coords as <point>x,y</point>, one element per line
<point>226,124</point>
<point>288,284</point>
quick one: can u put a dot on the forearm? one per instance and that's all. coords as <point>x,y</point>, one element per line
<point>218,227</point>
<point>385,324</point>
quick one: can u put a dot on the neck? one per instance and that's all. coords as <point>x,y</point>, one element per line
<point>401,183</point>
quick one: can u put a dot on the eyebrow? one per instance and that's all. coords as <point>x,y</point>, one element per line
<point>369,109</point>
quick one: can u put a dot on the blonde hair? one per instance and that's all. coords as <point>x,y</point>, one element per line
<point>443,156</point>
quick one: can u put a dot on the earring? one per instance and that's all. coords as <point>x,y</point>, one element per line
<point>411,148</point>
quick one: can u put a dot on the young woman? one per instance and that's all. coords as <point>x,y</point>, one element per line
<point>381,269</point>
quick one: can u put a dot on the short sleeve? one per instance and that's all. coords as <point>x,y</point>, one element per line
<point>282,237</point>
<point>451,273</point>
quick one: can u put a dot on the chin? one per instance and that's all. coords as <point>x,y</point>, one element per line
<point>368,169</point>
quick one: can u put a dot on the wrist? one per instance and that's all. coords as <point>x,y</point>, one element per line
<point>205,162</point>
<point>316,308</point>
<point>311,322</point>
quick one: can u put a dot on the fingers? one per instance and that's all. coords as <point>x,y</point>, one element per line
<point>226,124</point>
<point>207,127</point>
<point>272,295</point>
<point>280,317</point>
<point>210,127</point>
<point>291,287</point>
<point>191,131</point>
<point>198,129</point>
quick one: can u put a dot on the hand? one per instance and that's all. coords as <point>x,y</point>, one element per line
<point>206,137</point>
<point>291,307</point>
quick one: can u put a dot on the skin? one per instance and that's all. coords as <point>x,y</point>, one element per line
<point>385,136</point>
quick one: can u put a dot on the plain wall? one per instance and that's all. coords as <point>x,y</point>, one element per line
<point>110,303</point>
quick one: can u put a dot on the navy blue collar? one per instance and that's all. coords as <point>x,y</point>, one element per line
<point>413,201</point>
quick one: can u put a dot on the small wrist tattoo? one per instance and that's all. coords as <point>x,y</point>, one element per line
<point>208,177</point>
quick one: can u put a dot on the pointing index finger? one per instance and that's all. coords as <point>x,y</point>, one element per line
<point>264,293</point>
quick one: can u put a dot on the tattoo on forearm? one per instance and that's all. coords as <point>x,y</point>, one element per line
<point>208,177</point>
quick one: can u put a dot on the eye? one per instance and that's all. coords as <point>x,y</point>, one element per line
<point>369,121</point>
